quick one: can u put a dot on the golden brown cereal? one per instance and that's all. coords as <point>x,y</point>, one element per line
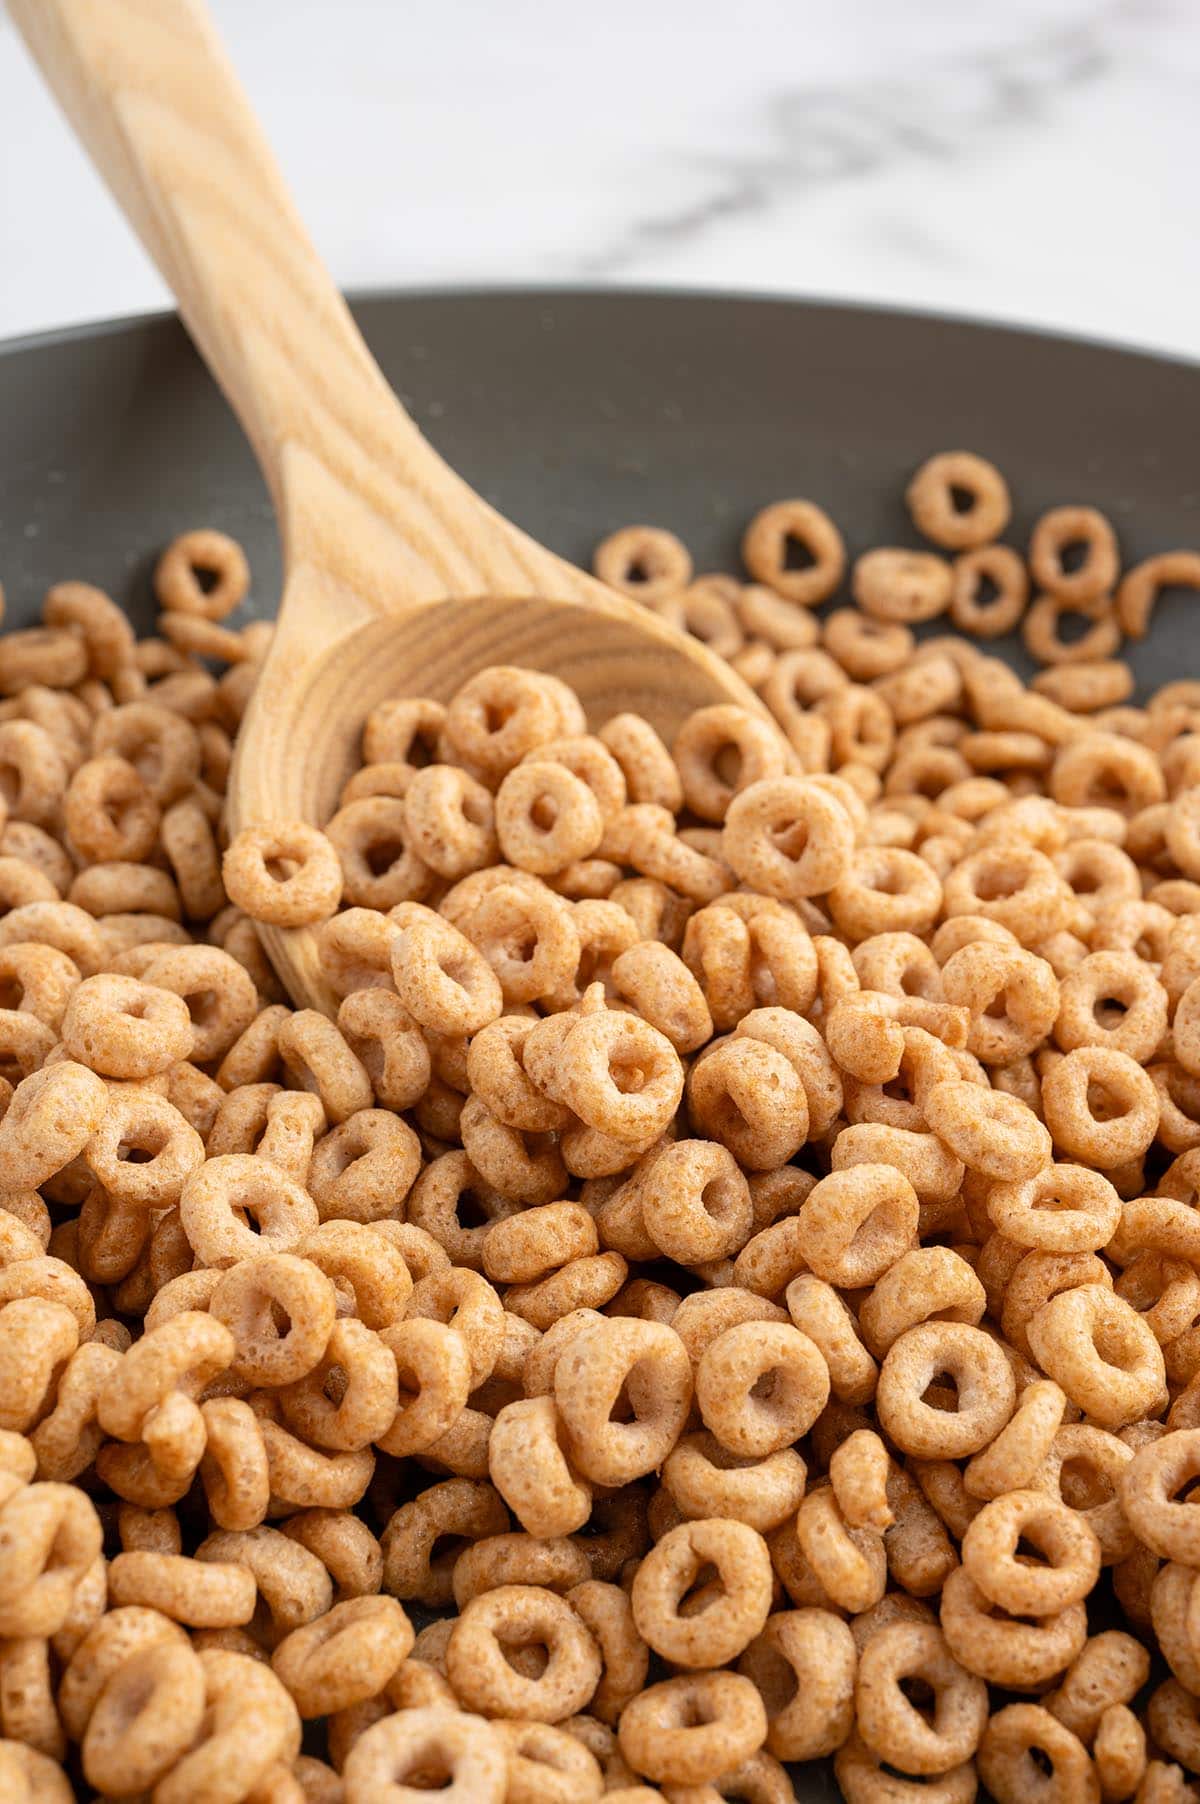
<point>926,1094</point>
<point>958,500</point>
<point>287,875</point>
<point>795,548</point>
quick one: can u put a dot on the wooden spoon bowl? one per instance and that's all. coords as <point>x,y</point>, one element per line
<point>300,740</point>
<point>399,579</point>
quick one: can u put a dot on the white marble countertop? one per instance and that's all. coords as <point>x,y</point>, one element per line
<point>1033,162</point>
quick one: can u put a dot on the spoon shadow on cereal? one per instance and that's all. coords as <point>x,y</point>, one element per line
<point>399,579</point>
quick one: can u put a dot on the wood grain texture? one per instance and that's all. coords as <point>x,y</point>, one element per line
<point>373,523</point>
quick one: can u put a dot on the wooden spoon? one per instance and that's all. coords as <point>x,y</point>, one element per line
<point>399,579</point>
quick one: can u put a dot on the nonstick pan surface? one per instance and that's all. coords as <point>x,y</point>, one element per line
<point>575,413</point>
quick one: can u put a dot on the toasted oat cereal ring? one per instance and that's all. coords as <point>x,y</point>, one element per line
<point>1019,1451</point>
<point>1084,532</point>
<point>519,1168</point>
<point>924,1283</point>
<point>1172,1720</point>
<point>991,1132</point>
<point>788,838</point>
<point>107,809</point>
<point>705,1479</point>
<point>958,500</point>
<point>908,586</point>
<point>218,1198</point>
<point>403,731</point>
<point>252,1725</point>
<point>1006,1756</point>
<point>364,1370</point>
<point>748,1096</point>
<point>144,1152</point>
<point>105,628</point>
<point>316,1057</point>
<point>52,1115</point>
<point>645,562</point>
<point>468,1754</point>
<point>885,890</point>
<point>856,1223</point>
<point>1110,1671</point>
<point>657,984</point>
<point>858,1473</point>
<point>434,1372</point>
<point>1063,1209</point>
<point>689,1730</point>
<point>1070,1554</point>
<point>1102,1354</point>
<point>120,1027</point>
<point>990,588</point>
<point>1107,770</point>
<point>886,1719</point>
<point>1042,634</point>
<point>527,1465</point>
<point>1148,1489</point>
<point>204,573</point>
<point>247,1299</point>
<point>450,821</point>
<point>220,996</point>
<point>738,1609</point>
<point>803,1663</point>
<point>1013,997</point>
<point>501,714</point>
<point>795,548</point>
<point>546,817</point>
<point>848,1565</point>
<point>34,778</point>
<point>525,1247</point>
<point>865,648</point>
<point>548,1766</point>
<point>819,1312</point>
<point>986,1390</point>
<point>1007,1652</point>
<point>695,1202</point>
<point>508,1618</point>
<point>1086,686</point>
<point>649,1363</point>
<point>200,1595</point>
<point>861,1775</point>
<point>721,751</point>
<point>286,874</point>
<point>1100,1105</point>
<point>364,1167</point>
<point>518,1559</point>
<point>1142,585</point>
<point>345,1656</point>
<point>617,1074</point>
<point>760,1386</point>
<point>147,1716</point>
<point>463,1300</point>
<point>456,1507</point>
<point>1112,999</point>
<point>376,1276</point>
<point>646,764</point>
<point>443,981</point>
<point>1119,1751</point>
<point>379,867</point>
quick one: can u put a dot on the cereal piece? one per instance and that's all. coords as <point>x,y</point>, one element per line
<point>777,534</point>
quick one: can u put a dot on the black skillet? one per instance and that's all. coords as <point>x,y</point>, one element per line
<point>575,413</point>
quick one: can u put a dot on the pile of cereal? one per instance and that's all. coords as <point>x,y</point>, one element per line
<point>725,1289</point>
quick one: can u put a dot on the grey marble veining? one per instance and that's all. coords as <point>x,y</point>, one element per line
<point>1033,162</point>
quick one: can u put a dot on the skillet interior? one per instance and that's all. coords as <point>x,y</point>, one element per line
<point>578,412</point>
<point>575,413</point>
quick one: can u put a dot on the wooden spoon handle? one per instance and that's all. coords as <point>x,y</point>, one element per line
<point>361,497</point>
